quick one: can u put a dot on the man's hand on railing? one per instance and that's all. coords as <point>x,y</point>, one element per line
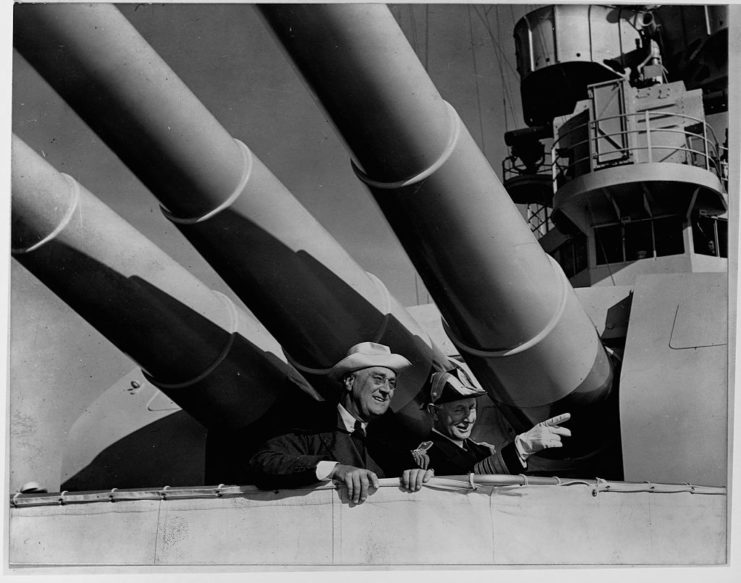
<point>412,480</point>
<point>360,482</point>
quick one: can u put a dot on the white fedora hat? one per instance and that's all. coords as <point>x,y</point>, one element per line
<point>367,354</point>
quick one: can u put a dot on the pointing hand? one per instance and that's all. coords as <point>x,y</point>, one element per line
<point>544,435</point>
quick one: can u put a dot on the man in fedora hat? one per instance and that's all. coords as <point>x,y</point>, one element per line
<point>334,445</point>
<point>451,451</point>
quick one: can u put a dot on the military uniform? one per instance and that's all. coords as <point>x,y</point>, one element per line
<point>448,459</point>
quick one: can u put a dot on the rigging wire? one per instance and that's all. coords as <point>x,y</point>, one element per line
<point>602,243</point>
<point>424,58</point>
<point>513,70</point>
<point>427,69</point>
<point>427,37</point>
<point>413,26</point>
<point>476,80</point>
<point>499,55</point>
<point>503,55</point>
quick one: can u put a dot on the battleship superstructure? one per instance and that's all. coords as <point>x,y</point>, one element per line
<point>625,186</point>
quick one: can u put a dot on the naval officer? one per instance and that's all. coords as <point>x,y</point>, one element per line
<point>451,451</point>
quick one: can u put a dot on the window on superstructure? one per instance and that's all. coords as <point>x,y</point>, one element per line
<point>639,239</point>
<point>668,236</point>
<point>572,255</point>
<point>722,226</point>
<point>581,261</point>
<point>609,240</point>
<point>710,236</point>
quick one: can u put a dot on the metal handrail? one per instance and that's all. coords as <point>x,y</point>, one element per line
<point>456,482</point>
<point>705,155</point>
<point>512,167</point>
<point>713,147</point>
<point>539,219</point>
<point>713,163</point>
<point>657,113</point>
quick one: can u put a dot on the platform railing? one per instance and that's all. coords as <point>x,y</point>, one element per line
<point>512,167</point>
<point>639,141</point>
<point>538,215</point>
<point>539,219</point>
<point>467,482</point>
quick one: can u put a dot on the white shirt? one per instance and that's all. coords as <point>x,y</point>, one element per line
<point>324,469</point>
<point>348,419</point>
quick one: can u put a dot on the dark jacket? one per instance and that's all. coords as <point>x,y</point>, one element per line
<point>290,460</point>
<point>447,459</point>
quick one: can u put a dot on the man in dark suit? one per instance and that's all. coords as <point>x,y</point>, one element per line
<point>333,444</point>
<point>450,451</point>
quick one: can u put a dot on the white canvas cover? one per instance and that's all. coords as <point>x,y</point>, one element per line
<point>446,523</point>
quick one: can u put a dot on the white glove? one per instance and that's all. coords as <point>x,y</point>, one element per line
<point>544,435</point>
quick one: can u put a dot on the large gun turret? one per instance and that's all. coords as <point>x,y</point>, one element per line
<point>508,307</point>
<point>205,353</point>
<point>292,274</point>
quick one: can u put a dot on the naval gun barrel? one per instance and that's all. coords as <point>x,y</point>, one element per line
<point>506,304</point>
<point>310,294</point>
<point>208,355</point>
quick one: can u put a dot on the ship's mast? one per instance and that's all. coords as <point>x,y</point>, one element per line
<point>621,172</point>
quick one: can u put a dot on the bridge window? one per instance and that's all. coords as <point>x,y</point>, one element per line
<point>609,240</point>
<point>572,255</point>
<point>668,236</point>
<point>638,240</point>
<point>710,236</point>
<point>643,239</point>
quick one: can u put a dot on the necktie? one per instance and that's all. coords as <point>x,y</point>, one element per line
<point>358,439</point>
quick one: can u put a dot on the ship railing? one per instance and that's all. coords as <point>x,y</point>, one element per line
<point>452,483</point>
<point>538,215</point>
<point>512,167</point>
<point>539,219</point>
<point>724,166</point>
<point>688,140</point>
